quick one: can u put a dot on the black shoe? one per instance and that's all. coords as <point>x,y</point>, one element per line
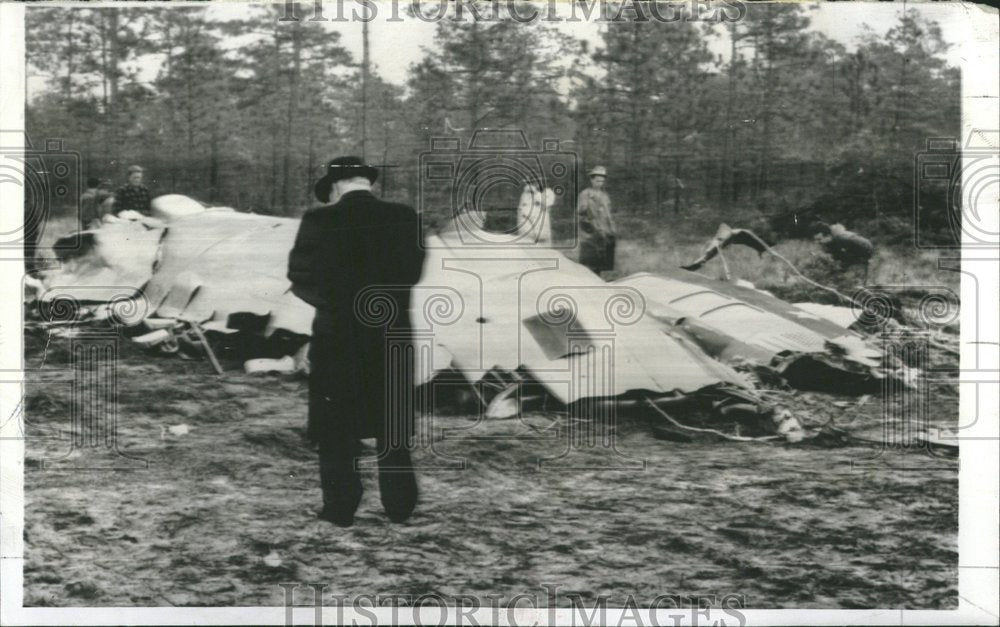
<point>398,488</point>
<point>339,517</point>
<point>339,505</point>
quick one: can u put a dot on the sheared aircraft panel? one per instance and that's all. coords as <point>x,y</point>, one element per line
<point>115,260</point>
<point>202,265</point>
<point>611,346</point>
<point>760,299</point>
<point>728,326</point>
<point>602,341</point>
<point>220,262</point>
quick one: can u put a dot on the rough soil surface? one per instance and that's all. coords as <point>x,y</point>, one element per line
<point>226,511</point>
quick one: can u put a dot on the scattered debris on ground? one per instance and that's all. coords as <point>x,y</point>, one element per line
<point>700,358</point>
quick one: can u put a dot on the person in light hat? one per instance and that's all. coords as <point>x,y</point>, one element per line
<point>597,245</point>
<point>355,256</point>
<point>133,196</point>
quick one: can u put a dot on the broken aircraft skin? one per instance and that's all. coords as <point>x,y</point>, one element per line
<point>526,316</point>
<point>737,324</point>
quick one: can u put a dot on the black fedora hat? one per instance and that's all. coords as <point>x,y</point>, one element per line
<point>339,169</point>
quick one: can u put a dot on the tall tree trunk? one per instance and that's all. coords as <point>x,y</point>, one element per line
<point>311,164</point>
<point>70,54</point>
<point>677,171</point>
<point>213,161</point>
<point>900,103</point>
<point>273,187</point>
<point>293,99</point>
<point>364,90</point>
<point>609,146</point>
<point>771,93</point>
<point>386,132</point>
<point>189,102</point>
<point>726,175</point>
<point>112,71</point>
<point>475,79</point>
<point>634,158</point>
<point>105,96</point>
<point>761,80</point>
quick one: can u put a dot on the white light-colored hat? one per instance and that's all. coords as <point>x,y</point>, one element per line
<point>598,170</point>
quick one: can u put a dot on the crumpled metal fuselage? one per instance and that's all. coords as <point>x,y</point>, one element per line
<point>483,305</point>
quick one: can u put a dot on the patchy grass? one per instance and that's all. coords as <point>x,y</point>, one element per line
<point>891,266</point>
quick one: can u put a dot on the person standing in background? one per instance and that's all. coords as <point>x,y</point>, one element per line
<point>597,248</point>
<point>133,196</point>
<point>91,200</point>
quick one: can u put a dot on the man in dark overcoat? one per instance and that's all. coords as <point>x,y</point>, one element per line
<point>356,259</point>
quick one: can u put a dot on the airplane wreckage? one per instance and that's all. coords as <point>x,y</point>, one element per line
<point>521,329</point>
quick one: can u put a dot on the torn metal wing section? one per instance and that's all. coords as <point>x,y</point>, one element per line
<point>530,308</point>
<point>736,324</point>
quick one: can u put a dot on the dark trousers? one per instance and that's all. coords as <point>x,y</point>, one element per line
<point>338,476</point>
<point>598,254</point>
<point>347,403</point>
<point>338,464</point>
<point>341,483</point>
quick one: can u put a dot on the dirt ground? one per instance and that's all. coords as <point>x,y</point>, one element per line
<point>223,508</point>
<point>224,512</point>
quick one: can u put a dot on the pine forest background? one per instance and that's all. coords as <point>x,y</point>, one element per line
<point>791,123</point>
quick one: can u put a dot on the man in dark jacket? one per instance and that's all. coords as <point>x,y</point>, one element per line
<point>356,260</point>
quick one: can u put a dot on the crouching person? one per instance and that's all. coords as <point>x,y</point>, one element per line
<point>354,248</point>
<point>850,252</point>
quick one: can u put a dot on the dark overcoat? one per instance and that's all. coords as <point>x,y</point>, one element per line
<point>356,262</point>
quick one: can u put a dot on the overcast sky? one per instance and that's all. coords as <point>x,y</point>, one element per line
<point>396,45</point>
